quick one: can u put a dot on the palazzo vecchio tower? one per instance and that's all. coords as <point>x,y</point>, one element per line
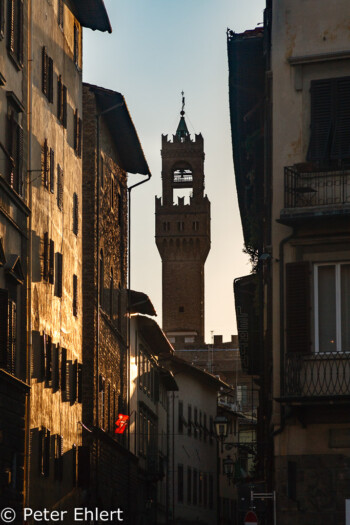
<point>183,235</point>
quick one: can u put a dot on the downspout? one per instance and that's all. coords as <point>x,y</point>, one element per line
<point>29,248</point>
<point>97,384</point>
<point>281,263</point>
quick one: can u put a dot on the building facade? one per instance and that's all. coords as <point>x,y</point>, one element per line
<point>14,221</point>
<point>111,149</point>
<point>55,189</point>
<point>301,117</point>
<point>183,235</point>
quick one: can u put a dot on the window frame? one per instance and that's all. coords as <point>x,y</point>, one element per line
<point>337,265</point>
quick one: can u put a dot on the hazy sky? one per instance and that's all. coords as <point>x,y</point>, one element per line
<point>157,49</point>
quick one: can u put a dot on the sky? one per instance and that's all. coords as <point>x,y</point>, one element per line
<point>157,49</point>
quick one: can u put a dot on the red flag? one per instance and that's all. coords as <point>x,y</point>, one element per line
<point>121,423</point>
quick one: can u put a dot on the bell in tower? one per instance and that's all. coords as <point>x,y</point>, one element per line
<point>183,235</point>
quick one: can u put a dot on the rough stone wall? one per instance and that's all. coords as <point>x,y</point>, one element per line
<point>51,314</point>
<point>322,487</point>
<point>110,463</point>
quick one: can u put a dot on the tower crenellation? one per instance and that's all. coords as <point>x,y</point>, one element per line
<point>183,235</point>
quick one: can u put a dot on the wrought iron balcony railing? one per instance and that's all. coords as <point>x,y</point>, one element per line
<point>312,187</point>
<point>317,375</point>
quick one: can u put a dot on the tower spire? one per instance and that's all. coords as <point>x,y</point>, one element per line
<point>182,130</point>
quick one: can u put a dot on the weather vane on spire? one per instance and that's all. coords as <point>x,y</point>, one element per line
<point>183,104</point>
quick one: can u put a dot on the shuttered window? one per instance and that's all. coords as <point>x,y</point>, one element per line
<point>44,452</point>
<point>77,133</point>
<point>2,19</point>
<point>59,187</point>
<point>76,45</point>
<point>52,170</point>
<point>60,14</point>
<point>15,149</point>
<point>3,327</point>
<point>61,102</point>
<point>59,270</point>
<point>48,360</point>
<point>8,331</point>
<point>75,214</point>
<point>330,120</point>
<point>52,262</point>
<point>47,75</point>
<point>75,295</point>
<point>80,383</point>
<point>74,384</point>
<point>58,464</point>
<point>63,369</point>
<point>15,30</point>
<point>46,257</point>
<point>55,368</point>
<point>45,164</point>
<point>298,307</point>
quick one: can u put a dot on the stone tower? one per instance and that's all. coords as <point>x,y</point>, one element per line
<point>183,236</point>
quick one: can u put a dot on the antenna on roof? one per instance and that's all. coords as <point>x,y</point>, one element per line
<point>182,112</point>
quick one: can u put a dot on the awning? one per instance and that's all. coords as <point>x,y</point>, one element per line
<point>91,14</point>
<point>140,303</point>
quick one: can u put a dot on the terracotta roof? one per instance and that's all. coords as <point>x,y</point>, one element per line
<point>128,147</point>
<point>91,14</point>
<point>140,303</point>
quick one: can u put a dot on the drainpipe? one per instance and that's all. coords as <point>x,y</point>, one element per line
<point>281,263</point>
<point>29,248</point>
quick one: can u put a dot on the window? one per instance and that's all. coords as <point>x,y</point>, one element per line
<point>59,187</point>
<point>101,277</point>
<point>63,369</point>
<point>47,75</point>
<point>61,102</point>
<point>180,226</point>
<point>195,226</point>
<point>58,464</point>
<point>200,487</point>
<point>292,480</point>
<point>195,432</point>
<point>60,14</point>
<point>205,430</point>
<point>180,483</point>
<point>332,307</point>
<point>166,226</point>
<point>47,341</point>
<point>200,424</point>
<point>59,270</point>
<point>189,485</point>
<point>77,133</point>
<point>15,31</point>
<point>14,143</point>
<point>195,487</point>
<point>48,167</point>
<point>8,330</point>
<point>75,214</point>
<point>180,417</point>
<point>44,452</point>
<point>189,420</point>
<point>211,430</point>
<point>75,295</point>
<point>76,45</point>
<point>330,120</point>
<point>2,19</point>
<point>205,490</point>
<point>181,309</point>
<point>102,401</point>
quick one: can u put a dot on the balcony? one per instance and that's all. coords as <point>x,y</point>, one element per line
<point>317,377</point>
<point>314,193</point>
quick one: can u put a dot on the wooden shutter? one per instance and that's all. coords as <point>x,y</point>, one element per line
<point>64,109</point>
<point>298,307</point>
<point>321,120</point>
<point>41,448</point>
<point>58,291</point>
<point>76,118</point>
<point>48,360</point>
<point>58,465</point>
<point>59,187</point>
<point>75,213</point>
<point>60,13</point>
<point>52,170</point>
<point>47,453</point>
<point>76,45</point>
<point>42,356</point>
<point>63,371</point>
<point>75,295</point>
<point>11,25</point>
<point>59,98</point>
<point>50,79</point>
<point>11,337</point>
<point>46,257</point>
<point>2,18</point>
<point>341,137</point>
<point>19,167</point>
<point>46,164</point>
<point>44,71</point>
<point>55,368</point>
<point>80,131</point>
<point>52,262</point>
<point>80,383</point>
<point>74,389</point>
<point>3,327</point>
<point>20,32</point>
